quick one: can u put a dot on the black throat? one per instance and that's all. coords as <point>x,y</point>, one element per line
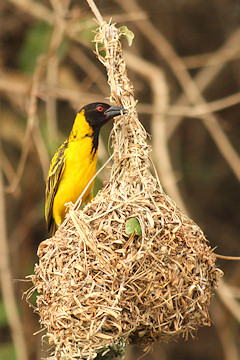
<point>95,139</point>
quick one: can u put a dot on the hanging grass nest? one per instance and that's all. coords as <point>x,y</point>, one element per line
<point>130,267</point>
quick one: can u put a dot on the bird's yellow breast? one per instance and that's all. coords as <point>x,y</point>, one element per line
<point>79,169</point>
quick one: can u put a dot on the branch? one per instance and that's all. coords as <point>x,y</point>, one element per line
<point>204,78</point>
<point>30,125</point>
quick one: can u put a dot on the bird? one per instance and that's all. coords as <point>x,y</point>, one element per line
<point>74,163</point>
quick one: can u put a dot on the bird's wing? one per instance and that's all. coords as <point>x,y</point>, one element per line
<point>54,176</point>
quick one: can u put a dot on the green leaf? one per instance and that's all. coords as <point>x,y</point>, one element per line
<point>127,34</point>
<point>131,226</point>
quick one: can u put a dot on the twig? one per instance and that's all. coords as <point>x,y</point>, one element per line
<point>30,125</point>
<point>95,11</point>
<point>226,257</point>
<point>197,111</point>
<point>206,76</point>
<point>202,60</point>
<point>203,109</point>
<point>7,290</point>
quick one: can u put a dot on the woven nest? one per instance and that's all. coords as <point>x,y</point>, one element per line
<point>100,288</point>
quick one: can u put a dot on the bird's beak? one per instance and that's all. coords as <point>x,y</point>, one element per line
<point>114,111</point>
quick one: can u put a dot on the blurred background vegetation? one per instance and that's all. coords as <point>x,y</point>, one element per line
<point>185,66</point>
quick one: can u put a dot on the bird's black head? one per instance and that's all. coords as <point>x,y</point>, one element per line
<point>98,114</point>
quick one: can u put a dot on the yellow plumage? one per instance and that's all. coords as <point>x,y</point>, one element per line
<point>74,163</point>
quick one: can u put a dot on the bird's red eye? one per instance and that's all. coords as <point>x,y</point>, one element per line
<point>100,108</point>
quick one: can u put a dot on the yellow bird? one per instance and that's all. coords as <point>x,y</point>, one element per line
<point>74,163</point>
